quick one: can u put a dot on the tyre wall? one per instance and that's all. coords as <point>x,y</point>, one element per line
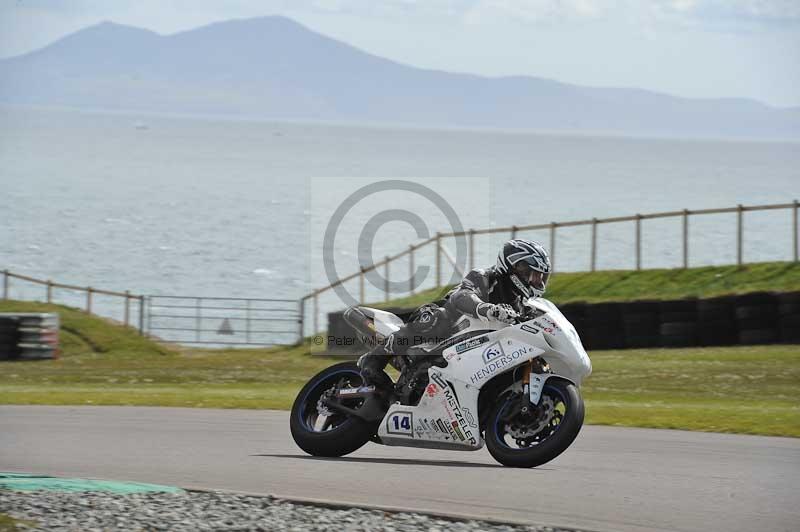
<point>749,319</point>
<point>29,336</point>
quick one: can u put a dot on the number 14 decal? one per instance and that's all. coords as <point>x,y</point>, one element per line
<point>400,423</point>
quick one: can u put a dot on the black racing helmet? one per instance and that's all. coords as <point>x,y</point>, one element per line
<point>527,265</point>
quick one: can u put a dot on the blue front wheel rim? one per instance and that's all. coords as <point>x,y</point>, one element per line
<point>519,427</point>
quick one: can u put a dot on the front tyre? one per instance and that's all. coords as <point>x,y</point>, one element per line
<point>529,439</point>
<point>321,432</point>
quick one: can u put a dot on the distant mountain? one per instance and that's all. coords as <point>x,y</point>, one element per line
<point>274,68</point>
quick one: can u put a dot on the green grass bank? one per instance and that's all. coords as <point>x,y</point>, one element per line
<point>629,285</point>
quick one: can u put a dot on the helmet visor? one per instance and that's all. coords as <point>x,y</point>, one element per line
<point>530,276</point>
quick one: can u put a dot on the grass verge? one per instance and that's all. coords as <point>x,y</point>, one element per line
<point>628,285</point>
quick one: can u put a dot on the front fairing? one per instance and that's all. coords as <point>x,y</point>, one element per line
<point>566,355</point>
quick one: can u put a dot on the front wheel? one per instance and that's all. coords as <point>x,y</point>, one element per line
<point>529,439</point>
<point>321,432</point>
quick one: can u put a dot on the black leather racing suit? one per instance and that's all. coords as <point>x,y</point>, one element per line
<point>435,321</point>
<point>481,286</point>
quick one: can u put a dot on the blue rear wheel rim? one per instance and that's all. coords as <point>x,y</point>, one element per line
<point>315,389</point>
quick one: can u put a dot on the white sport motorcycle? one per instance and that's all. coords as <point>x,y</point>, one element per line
<point>513,387</point>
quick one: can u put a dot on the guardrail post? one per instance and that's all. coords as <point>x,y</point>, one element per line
<point>386,280</point>
<point>411,269</point>
<point>247,323</point>
<point>594,243</point>
<point>553,226</point>
<point>49,291</point>
<point>438,260</point>
<point>794,227</point>
<point>739,233</point>
<point>141,316</point>
<point>5,284</point>
<point>89,300</point>
<point>638,241</point>
<point>127,307</point>
<point>685,239</point>
<point>472,249</point>
<point>316,312</point>
<point>198,318</point>
<point>301,313</point>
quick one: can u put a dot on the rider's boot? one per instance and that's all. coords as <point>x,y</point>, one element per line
<point>373,363</point>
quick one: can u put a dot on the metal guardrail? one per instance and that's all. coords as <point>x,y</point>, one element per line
<point>224,320</point>
<point>514,230</point>
<point>90,293</point>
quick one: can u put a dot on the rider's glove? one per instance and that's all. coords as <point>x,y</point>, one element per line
<point>502,313</point>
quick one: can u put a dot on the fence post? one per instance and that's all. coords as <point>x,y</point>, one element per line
<point>472,248</point>
<point>301,314</point>
<point>553,226</point>
<point>198,318</point>
<point>739,231</point>
<point>127,307</point>
<point>594,243</point>
<point>685,239</point>
<point>386,279</point>
<point>141,316</point>
<point>411,269</point>
<point>247,323</point>
<point>438,260</point>
<point>89,300</point>
<point>49,291</point>
<point>316,312</point>
<point>794,227</point>
<point>638,241</point>
<point>5,284</point>
<point>513,232</point>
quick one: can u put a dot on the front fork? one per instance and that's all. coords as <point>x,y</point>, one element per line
<point>535,365</point>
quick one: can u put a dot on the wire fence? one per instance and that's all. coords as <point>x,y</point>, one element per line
<point>223,321</point>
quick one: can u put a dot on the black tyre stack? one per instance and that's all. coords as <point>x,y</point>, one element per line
<point>757,318</point>
<point>789,317</point>
<point>38,336</point>
<point>9,337</point>
<point>716,321</point>
<point>640,323</point>
<point>29,336</point>
<point>604,329</point>
<point>678,323</point>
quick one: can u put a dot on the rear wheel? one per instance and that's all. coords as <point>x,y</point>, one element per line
<point>320,431</point>
<point>529,439</point>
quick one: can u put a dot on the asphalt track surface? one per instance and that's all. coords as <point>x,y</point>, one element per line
<point>611,479</point>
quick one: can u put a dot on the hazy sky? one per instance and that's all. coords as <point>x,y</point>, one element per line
<point>696,48</point>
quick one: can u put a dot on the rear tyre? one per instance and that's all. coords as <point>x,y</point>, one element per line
<point>528,440</point>
<point>321,432</point>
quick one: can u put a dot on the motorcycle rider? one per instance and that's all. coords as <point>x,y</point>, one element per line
<point>494,294</point>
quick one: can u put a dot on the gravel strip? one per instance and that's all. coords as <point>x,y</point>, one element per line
<point>190,511</point>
